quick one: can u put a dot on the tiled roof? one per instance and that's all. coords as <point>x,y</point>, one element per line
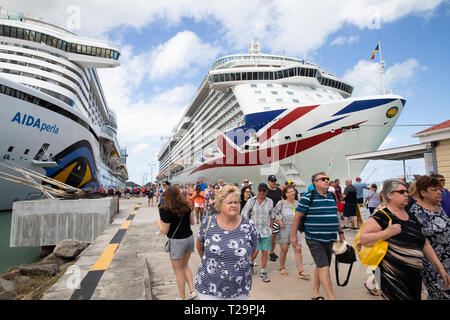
<point>439,126</point>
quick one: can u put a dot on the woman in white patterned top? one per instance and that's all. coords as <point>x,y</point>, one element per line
<point>225,244</point>
<point>285,211</point>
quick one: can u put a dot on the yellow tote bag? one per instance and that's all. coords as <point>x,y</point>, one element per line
<point>371,256</point>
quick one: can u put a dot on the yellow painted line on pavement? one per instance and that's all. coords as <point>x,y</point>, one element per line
<point>106,257</point>
<point>126,224</point>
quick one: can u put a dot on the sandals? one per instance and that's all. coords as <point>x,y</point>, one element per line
<point>303,275</point>
<point>373,291</point>
<point>283,272</point>
<point>318,298</point>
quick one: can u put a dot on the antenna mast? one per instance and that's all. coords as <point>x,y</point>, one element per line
<point>383,90</point>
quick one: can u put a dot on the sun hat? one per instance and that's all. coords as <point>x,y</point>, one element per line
<point>339,247</point>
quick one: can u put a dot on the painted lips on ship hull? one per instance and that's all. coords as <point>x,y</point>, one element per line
<point>76,166</point>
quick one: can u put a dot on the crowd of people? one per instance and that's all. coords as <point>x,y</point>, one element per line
<point>239,221</point>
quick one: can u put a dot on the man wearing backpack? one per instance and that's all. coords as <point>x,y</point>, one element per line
<point>321,227</point>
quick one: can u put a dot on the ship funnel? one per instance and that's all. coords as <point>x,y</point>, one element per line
<point>254,47</point>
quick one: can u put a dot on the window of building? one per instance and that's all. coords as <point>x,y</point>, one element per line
<point>274,92</point>
<point>258,92</point>
<point>290,93</point>
<point>284,85</point>
<point>270,85</point>
<point>279,100</point>
<point>11,148</point>
<point>262,100</point>
<point>295,101</point>
<point>253,85</point>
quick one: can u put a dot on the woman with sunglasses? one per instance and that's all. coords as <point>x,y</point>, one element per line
<point>436,227</point>
<point>285,212</point>
<point>210,199</point>
<point>401,267</point>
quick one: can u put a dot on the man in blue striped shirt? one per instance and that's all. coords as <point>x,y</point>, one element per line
<point>321,227</point>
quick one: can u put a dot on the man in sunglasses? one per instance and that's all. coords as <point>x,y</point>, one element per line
<point>259,210</point>
<point>247,183</point>
<point>321,230</point>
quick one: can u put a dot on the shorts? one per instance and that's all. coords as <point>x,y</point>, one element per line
<point>350,209</point>
<point>264,244</point>
<point>178,247</point>
<point>360,200</point>
<point>197,205</point>
<point>150,195</point>
<point>321,252</point>
<point>284,236</point>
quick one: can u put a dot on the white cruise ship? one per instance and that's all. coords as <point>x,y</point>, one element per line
<point>258,114</point>
<point>54,115</point>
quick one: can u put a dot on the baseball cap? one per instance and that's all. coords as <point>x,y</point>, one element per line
<point>358,178</point>
<point>262,186</point>
<point>272,178</point>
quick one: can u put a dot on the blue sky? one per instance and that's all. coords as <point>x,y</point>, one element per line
<point>168,47</point>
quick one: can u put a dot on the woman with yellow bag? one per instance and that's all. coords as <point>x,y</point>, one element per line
<point>401,267</point>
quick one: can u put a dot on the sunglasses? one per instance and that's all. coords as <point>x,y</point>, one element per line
<point>245,181</point>
<point>323,179</point>
<point>401,191</point>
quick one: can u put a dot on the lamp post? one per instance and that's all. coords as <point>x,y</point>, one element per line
<point>151,171</point>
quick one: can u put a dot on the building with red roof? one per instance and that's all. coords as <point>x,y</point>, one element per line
<point>439,136</point>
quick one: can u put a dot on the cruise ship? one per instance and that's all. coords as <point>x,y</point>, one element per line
<point>54,116</point>
<point>259,114</point>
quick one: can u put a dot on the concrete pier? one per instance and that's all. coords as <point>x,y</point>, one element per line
<point>127,262</point>
<point>47,222</point>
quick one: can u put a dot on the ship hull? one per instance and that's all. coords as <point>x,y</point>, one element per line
<point>328,132</point>
<point>25,128</point>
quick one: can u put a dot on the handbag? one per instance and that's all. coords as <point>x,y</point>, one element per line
<point>347,257</point>
<point>371,256</point>
<point>301,224</point>
<point>276,225</point>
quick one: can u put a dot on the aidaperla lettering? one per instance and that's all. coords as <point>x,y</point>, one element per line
<point>30,121</point>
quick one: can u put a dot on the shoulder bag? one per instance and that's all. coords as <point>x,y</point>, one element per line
<point>347,257</point>
<point>167,246</point>
<point>371,256</point>
<point>301,225</point>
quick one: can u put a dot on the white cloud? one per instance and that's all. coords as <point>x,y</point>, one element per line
<point>344,40</point>
<point>181,52</point>
<point>365,76</point>
<point>287,25</point>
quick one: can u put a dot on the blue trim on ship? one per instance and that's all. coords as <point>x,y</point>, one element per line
<point>364,105</point>
<point>327,123</point>
<point>254,121</point>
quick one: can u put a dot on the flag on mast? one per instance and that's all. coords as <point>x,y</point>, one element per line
<point>374,51</point>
